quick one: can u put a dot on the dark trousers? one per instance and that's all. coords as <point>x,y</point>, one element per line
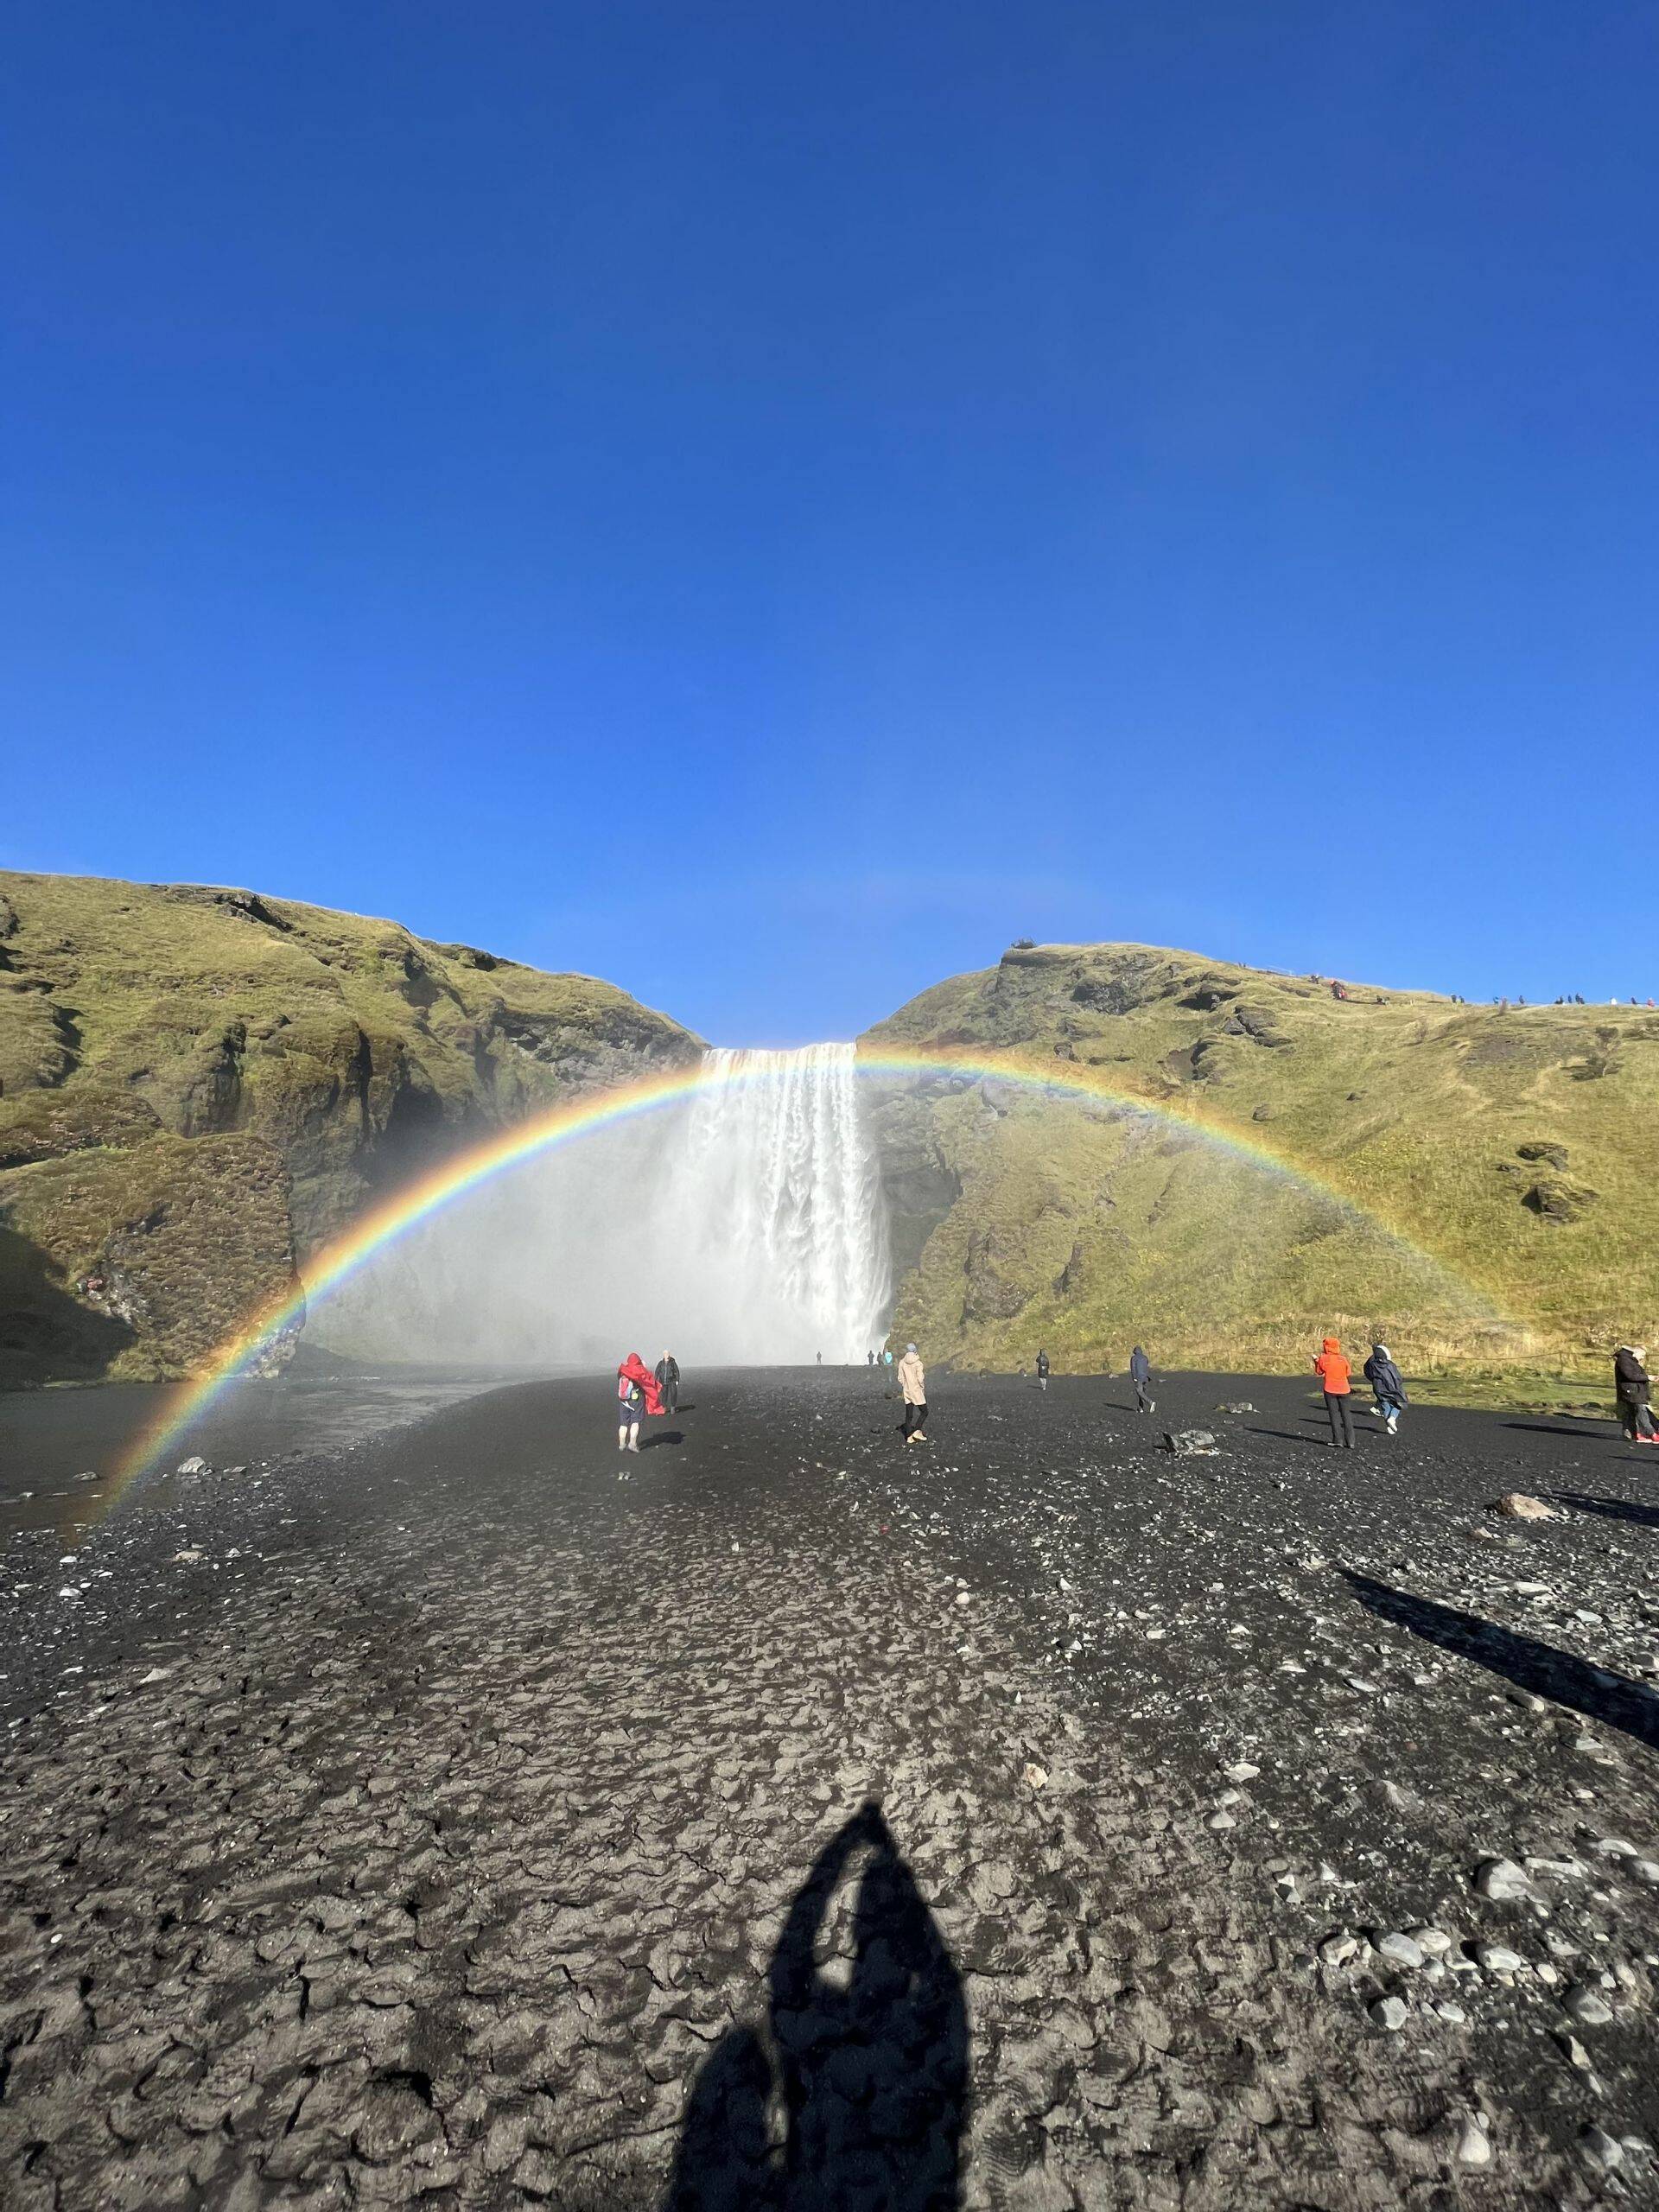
<point>1637,1417</point>
<point>1342,1421</point>
<point>671,1396</point>
<point>1143,1394</point>
<point>915,1417</point>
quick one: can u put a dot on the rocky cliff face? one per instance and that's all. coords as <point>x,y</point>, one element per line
<point>199,1087</point>
<point>1475,1184</point>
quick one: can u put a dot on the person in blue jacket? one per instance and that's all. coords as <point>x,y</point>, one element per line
<point>1383,1376</point>
<point>1140,1376</point>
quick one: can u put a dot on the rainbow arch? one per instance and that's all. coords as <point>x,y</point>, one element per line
<point>567,1123</point>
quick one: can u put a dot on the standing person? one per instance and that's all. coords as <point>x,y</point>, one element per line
<point>1333,1372</point>
<point>1042,1371</point>
<point>820,1359</point>
<point>886,1356</point>
<point>1633,1391</point>
<point>1383,1376</point>
<point>1140,1376</point>
<point>636,1393</point>
<point>668,1382</point>
<point>912,1380</point>
<point>870,1358</point>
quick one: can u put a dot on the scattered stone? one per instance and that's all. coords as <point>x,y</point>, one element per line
<point>1337,1950</point>
<point>1474,2144</point>
<point>1501,1880</point>
<point>1585,2006</point>
<point>1236,1406</point>
<point>1604,2151</point>
<point>194,1466</point>
<point>1400,1950</point>
<point>1390,2012</point>
<point>1434,1942</point>
<point>1498,1958</point>
<point>1192,1443</point>
<point>1036,1776</point>
<point>1517,1505</point>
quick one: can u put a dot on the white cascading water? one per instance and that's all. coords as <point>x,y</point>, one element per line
<point>745,1228</point>
<point>779,1191</point>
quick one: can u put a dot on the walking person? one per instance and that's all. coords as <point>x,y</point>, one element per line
<point>636,1394</point>
<point>1388,1389</point>
<point>913,1381</point>
<point>1140,1376</point>
<point>1334,1375</point>
<point>668,1382</point>
<point>1042,1371</point>
<point>1634,1393</point>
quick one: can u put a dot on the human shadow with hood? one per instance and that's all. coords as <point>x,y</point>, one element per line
<point>858,2093</point>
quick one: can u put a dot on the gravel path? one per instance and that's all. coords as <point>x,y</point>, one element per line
<point>1038,1820</point>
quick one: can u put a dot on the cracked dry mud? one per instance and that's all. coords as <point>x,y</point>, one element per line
<point>796,1822</point>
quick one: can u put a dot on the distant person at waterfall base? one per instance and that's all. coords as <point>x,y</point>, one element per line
<point>1335,1374</point>
<point>668,1382</point>
<point>1042,1371</point>
<point>1387,1386</point>
<point>913,1381</point>
<point>1634,1391</point>
<point>1140,1376</point>
<point>636,1393</point>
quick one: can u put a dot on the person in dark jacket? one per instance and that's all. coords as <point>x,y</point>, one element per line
<point>1140,1376</point>
<point>1633,1391</point>
<point>1390,1390</point>
<point>1042,1371</point>
<point>668,1382</point>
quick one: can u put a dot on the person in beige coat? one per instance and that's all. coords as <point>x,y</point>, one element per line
<point>913,1381</point>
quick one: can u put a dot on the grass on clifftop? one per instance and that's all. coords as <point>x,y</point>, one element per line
<point>1477,1183</point>
<point>197,1086</point>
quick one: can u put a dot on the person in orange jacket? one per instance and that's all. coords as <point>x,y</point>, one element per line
<point>1333,1373</point>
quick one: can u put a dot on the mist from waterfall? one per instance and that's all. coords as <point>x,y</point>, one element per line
<point>744,1226</point>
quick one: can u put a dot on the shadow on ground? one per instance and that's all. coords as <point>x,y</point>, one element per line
<point>856,2091</point>
<point>1615,1509</point>
<point>1543,1669</point>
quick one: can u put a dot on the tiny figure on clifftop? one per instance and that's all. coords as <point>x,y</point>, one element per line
<point>1140,1376</point>
<point>913,1381</point>
<point>668,1382</point>
<point>636,1393</point>
<point>1633,1391</point>
<point>1042,1371</point>
<point>1386,1383</point>
<point>1333,1372</point>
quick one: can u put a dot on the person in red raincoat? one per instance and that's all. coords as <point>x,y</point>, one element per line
<point>636,1393</point>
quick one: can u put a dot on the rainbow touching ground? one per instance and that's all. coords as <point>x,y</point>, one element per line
<point>565,1124</point>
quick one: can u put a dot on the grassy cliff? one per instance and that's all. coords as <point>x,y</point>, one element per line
<point>1477,1185</point>
<point>199,1086</point>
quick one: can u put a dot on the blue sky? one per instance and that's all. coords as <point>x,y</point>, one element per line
<point>769,503</point>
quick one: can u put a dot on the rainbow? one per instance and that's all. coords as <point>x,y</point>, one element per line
<point>569,1124</point>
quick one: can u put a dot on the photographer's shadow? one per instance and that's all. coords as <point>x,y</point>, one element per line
<point>858,2093</point>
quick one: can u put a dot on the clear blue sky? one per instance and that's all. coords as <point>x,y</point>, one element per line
<point>768,503</point>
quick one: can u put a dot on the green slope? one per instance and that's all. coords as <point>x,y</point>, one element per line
<point>199,1086</point>
<point>1475,1184</point>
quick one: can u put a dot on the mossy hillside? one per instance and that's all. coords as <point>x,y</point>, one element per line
<point>1513,1152</point>
<point>327,1057</point>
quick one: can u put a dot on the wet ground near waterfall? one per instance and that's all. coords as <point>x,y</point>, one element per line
<point>1036,1819</point>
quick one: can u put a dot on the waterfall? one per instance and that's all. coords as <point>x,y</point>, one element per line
<point>745,1227</point>
<point>778,1195</point>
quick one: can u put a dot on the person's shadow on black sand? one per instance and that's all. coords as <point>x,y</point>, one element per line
<point>858,2095</point>
<point>1615,1509</point>
<point>663,1436</point>
<point>1543,1669</point>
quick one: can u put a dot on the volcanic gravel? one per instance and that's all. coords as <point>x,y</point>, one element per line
<point>781,1817</point>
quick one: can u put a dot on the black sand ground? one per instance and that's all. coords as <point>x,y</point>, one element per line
<point>1040,1821</point>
